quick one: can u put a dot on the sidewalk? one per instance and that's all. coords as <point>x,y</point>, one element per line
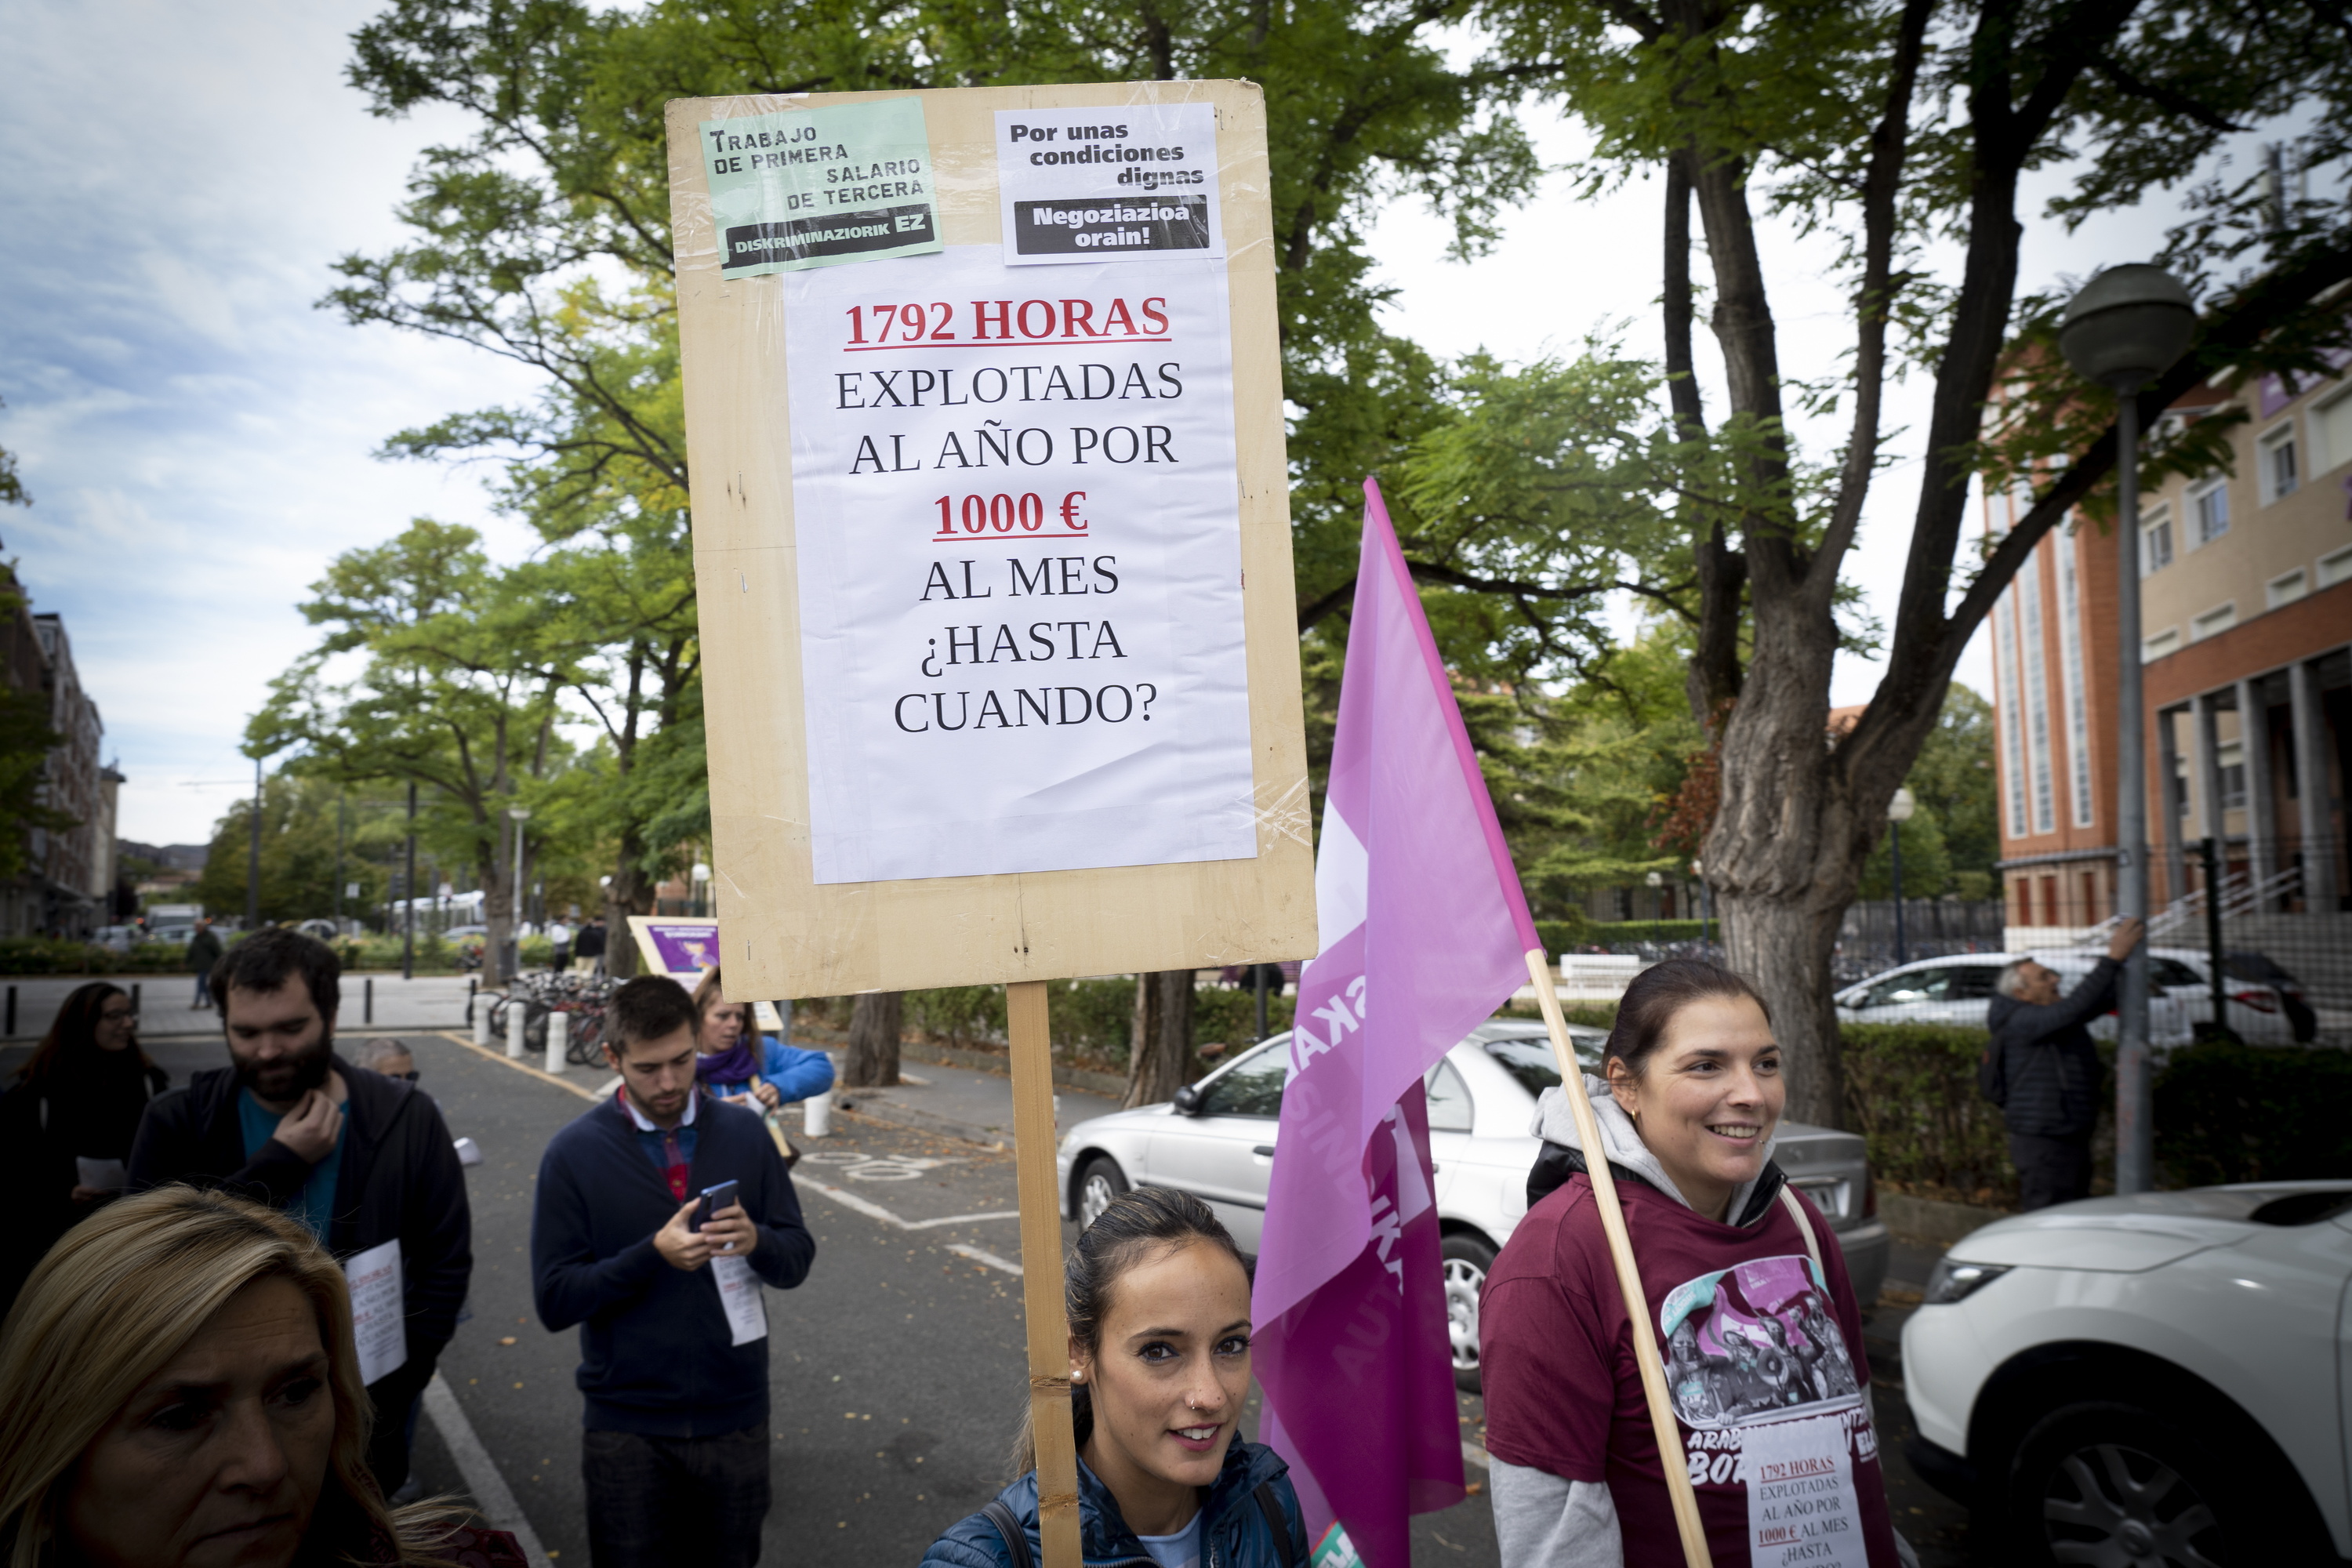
<point>428,1001</point>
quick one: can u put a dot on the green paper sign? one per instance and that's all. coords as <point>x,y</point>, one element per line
<point>818,187</point>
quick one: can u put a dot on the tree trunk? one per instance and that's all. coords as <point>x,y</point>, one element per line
<point>1159,1057</point>
<point>873,1025</point>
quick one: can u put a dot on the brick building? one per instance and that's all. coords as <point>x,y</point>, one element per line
<point>2245,584</point>
<point>69,873</point>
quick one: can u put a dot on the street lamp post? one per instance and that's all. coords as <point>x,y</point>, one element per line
<point>1655,880</point>
<point>1898,812</point>
<point>1707,905</point>
<point>512,957</point>
<point>2123,330</point>
<point>701,874</point>
<point>408,920</point>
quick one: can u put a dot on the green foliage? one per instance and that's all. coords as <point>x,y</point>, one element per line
<point>1911,1092</point>
<point>300,862</point>
<point>2228,1113</point>
<point>1228,1016</point>
<point>41,955</point>
<point>1089,1020</point>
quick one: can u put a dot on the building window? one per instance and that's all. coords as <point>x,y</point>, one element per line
<point>2213,622</point>
<point>2012,722</point>
<point>2211,508</point>
<point>2336,566</point>
<point>2070,653</point>
<point>2275,463</point>
<point>2229,761</point>
<point>2037,693</point>
<point>2155,542</point>
<point>2285,588</point>
<point>2050,902</point>
<point>2162,643</point>
<point>2331,434</point>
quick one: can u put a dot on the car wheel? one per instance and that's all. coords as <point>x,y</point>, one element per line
<point>1099,1183</point>
<point>2115,1483</point>
<point>1466,1257</point>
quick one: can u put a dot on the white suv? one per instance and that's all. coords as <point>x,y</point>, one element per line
<point>2156,1379</point>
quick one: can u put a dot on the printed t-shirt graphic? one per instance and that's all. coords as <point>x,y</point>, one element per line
<point>1755,1342</point>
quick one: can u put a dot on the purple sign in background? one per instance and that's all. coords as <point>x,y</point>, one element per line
<point>684,947</point>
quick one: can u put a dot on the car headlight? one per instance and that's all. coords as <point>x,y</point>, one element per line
<point>1951,1281</point>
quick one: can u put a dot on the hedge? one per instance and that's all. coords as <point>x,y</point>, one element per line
<point>2230,1112</point>
<point>1911,1092</point>
<point>41,955</point>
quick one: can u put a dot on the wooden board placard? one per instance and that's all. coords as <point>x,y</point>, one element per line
<point>786,935</point>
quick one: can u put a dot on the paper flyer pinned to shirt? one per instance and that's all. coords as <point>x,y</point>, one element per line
<point>739,1295</point>
<point>1801,1508</point>
<point>379,1320</point>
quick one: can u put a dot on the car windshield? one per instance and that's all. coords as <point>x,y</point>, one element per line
<point>1252,1087</point>
<point>1527,1057</point>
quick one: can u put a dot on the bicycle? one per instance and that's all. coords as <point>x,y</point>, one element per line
<point>583,998</point>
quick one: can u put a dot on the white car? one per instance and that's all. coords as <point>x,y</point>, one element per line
<point>1958,990</point>
<point>1217,1141</point>
<point>2160,1378</point>
<point>2265,1005</point>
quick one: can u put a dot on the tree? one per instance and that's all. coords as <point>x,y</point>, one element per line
<point>1880,128</point>
<point>876,1022</point>
<point>301,860</point>
<point>1159,1044</point>
<point>454,692</point>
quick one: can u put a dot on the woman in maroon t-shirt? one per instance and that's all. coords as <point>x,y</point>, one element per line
<point>1747,1289</point>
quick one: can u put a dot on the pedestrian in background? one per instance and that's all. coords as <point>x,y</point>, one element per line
<point>559,938</point>
<point>1158,1303</point>
<point>673,1331</point>
<point>390,1056</point>
<point>203,951</point>
<point>590,946</point>
<point>179,1388</point>
<point>736,1061</point>
<point>2042,1070</point>
<point>361,1159</point>
<point>67,1126</point>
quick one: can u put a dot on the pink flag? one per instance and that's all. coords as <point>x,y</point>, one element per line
<point>1424,932</point>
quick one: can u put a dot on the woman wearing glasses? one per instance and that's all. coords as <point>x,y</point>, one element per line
<point>68,1123</point>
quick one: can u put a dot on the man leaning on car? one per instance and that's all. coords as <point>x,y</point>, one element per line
<point>2043,1072</point>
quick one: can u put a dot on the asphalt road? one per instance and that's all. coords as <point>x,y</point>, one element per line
<point>897,1376</point>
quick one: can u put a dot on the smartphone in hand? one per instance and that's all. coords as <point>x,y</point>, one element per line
<point>713,1200</point>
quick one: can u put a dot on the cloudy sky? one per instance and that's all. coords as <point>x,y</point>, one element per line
<point>197,436</point>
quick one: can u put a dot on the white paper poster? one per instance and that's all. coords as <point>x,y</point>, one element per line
<point>1018,517</point>
<point>738,1293</point>
<point>379,1322</point>
<point>1800,1499</point>
<point>1108,185</point>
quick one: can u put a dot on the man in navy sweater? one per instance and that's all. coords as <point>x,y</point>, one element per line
<point>673,1332</point>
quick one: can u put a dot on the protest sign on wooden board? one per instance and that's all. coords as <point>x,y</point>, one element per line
<point>992,535</point>
<point>684,947</point>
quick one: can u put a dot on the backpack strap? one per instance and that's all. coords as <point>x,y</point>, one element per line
<point>1804,1223</point>
<point>1293,1550</point>
<point>1017,1539</point>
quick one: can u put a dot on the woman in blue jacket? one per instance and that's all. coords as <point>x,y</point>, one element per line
<point>1159,1364</point>
<point>737,1061</point>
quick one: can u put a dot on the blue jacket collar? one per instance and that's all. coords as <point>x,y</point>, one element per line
<point>1106,1541</point>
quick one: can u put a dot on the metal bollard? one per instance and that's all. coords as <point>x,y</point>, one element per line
<point>517,1014</point>
<point>559,1039</point>
<point>817,1114</point>
<point>469,1001</point>
<point>134,998</point>
<point>481,1023</point>
<point>367,1000</point>
<point>9,1030</point>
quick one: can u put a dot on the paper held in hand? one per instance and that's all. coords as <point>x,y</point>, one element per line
<point>738,1293</point>
<point>378,1322</point>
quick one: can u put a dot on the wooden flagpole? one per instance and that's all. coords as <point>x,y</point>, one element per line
<point>1041,1272</point>
<point>1629,1277</point>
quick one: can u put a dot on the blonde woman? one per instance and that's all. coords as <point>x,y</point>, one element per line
<point>179,1389</point>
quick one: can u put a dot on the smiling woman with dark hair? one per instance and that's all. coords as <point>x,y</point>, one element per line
<point>1747,1292</point>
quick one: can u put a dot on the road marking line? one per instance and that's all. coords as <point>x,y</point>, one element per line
<point>982,1255</point>
<point>521,1066</point>
<point>481,1472</point>
<point>872,1210</point>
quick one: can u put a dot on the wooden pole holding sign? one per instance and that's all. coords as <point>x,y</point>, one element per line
<point>1041,1269</point>
<point>1629,1275</point>
<point>984,430</point>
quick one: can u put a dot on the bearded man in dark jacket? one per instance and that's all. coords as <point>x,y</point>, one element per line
<point>2043,1072</point>
<point>363,1160</point>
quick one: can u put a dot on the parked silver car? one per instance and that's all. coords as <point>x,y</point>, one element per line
<point>1217,1141</point>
